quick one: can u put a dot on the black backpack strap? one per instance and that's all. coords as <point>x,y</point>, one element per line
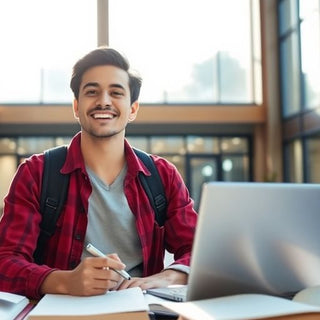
<point>153,187</point>
<point>53,195</point>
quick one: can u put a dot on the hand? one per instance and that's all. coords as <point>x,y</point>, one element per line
<point>158,280</point>
<point>93,276</point>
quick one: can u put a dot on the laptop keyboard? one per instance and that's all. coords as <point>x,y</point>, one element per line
<point>175,293</point>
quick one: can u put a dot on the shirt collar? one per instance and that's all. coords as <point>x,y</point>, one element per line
<point>74,159</point>
<point>135,165</point>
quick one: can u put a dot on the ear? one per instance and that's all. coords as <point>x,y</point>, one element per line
<point>134,111</point>
<point>75,108</point>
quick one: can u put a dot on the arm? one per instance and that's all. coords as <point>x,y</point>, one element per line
<point>181,219</point>
<point>176,235</point>
<point>19,229</point>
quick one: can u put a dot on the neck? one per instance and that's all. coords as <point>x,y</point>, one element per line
<point>104,156</point>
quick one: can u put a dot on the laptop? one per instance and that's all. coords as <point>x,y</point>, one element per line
<point>254,238</point>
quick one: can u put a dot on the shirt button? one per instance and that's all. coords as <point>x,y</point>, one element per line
<point>73,264</point>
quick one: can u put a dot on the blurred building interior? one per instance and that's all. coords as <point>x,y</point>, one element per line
<point>231,89</point>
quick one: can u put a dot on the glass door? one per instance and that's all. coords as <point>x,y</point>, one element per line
<point>202,169</point>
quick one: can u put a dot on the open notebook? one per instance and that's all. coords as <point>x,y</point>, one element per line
<point>253,238</point>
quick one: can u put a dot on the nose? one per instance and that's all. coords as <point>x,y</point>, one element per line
<point>105,99</point>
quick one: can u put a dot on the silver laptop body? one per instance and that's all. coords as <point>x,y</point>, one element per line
<point>257,238</point>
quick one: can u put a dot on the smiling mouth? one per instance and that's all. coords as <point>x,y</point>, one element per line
<point>102,116</point>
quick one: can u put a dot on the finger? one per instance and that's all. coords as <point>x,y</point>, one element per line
<point>95,262</point>
<point>107,273</point>
<point>125,284</point>
<point>114,256</point>
<point>137,282</point>
<point>104,284</point>
<point>145,283</point>
<point>115,263</point>
<point>103,262</point>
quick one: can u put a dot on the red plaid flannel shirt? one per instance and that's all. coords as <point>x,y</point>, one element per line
<point>19,226</point>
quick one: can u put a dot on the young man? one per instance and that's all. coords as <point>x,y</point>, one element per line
<point>106,204</point>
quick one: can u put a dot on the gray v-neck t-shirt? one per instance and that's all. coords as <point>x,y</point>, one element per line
<point>111,224</point>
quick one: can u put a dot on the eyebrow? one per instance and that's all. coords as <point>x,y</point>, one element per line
<point>90,84</point>
<point>96,84</point>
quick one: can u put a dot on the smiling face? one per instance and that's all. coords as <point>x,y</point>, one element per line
<point>103,108</point>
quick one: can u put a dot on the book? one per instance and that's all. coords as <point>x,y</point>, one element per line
<point>11,305</point>
<point>115,305</point>
<point>244,307</point>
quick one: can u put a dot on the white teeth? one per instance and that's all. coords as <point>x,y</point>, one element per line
<point>102,116</point>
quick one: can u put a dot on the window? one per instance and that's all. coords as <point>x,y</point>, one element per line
<point>190,51</point>
<point>290,84</point>
<point>289,57</point>
<point>310,52</point>
<point>204,51</point>
<point>299,35</point>
<point>168,144</point>
<point>299,30</point>
<point>40,42</point>
<point>313,162</point>
<point>235,160</point>
<point>32,145</point>
<point>198,159</point>
<point>199,144</point>
<point>8,167</point>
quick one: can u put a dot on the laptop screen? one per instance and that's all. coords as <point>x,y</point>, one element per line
<point>256,238</point>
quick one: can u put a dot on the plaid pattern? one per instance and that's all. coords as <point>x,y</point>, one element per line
<point>19,227</point>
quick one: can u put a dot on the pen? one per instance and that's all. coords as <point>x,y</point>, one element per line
<point>97,253</point>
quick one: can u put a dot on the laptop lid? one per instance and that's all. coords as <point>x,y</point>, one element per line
<point>256,238</point>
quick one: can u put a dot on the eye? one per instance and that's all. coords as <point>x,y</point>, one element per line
<point>91,92</point>
<point>117,93</point>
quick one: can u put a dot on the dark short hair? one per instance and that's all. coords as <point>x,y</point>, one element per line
<point>104,56</point>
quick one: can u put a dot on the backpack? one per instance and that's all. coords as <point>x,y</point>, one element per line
<point>55,188</point>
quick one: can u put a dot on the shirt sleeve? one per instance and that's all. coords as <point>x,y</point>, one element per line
<point>179,267</point>
<point>181,217</point>
<point>19,230</point>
